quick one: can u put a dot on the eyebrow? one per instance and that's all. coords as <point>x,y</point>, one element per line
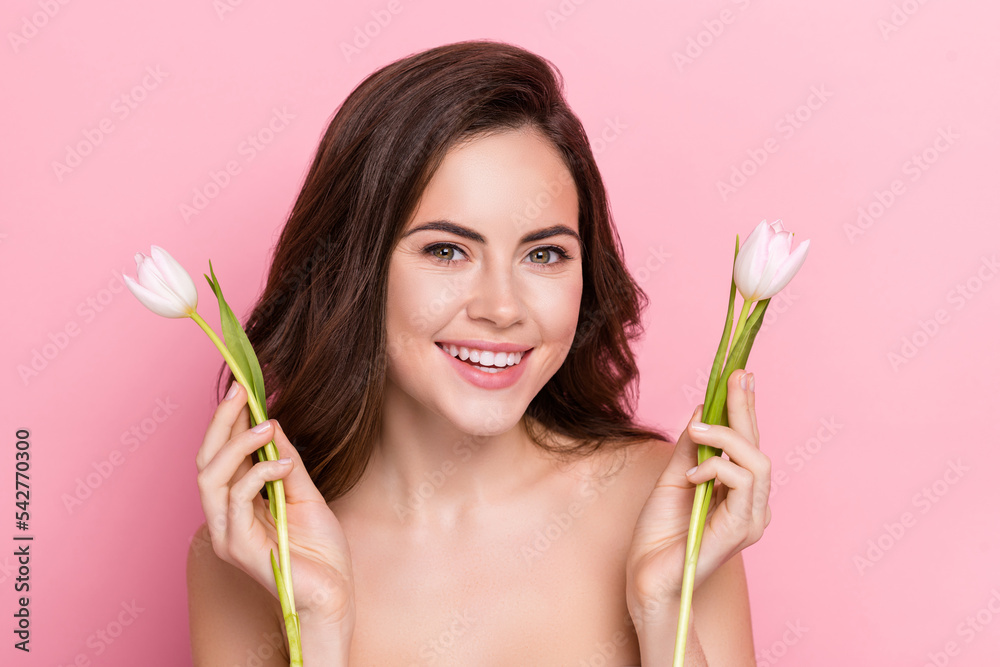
<point>472,235</point>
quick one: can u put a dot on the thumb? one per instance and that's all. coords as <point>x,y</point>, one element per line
<point>686,452</point>
<point>299,486</point>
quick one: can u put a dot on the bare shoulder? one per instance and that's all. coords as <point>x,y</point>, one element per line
<point>645,461</point>
<point>232,617</point>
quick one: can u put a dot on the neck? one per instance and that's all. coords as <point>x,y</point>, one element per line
<point>430,472</point>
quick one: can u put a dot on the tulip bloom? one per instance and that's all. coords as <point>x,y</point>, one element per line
<point>762,267</point>
<point>164,287</point>
<point>766,262</point>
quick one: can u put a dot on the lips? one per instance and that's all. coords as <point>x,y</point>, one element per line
<point>498,379</point>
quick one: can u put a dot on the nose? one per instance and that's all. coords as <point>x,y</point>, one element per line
<point>496,297</point>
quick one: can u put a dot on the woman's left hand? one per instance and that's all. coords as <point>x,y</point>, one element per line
<point>737,515</point>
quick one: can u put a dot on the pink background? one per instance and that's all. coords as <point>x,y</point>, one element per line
<point>877,554</point>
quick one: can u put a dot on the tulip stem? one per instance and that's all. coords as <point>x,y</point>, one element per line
<point>235,367</point>
<point>276,489</point>
<point>712,413</point>
<point>740,323</point>
<point>696,529</point>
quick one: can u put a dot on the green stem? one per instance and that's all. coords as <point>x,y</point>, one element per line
<point>275,489</point>
<point>715,405</point>
<point>740,323</point>
<point>727,329</point>
<point>712,413</point>
<point>695,528</point>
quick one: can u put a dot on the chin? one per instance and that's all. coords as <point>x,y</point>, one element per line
<point>492,419</point>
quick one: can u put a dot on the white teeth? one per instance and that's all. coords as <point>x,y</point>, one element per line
<point>498,360</point>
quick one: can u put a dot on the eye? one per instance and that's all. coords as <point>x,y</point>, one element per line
<point>549,251</point>
<point>444,253</point>
<point>446,256</point>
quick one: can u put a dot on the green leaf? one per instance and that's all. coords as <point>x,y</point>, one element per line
<point>738,357</point>
<point>278,579</point>
<point>727,331</point>
<point>239,345</point>
<point>741,348</point>
<point>272,499</point>
<point>717,412</point>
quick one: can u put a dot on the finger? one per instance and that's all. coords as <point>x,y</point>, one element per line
<point>744,455</point>
<point>752,407</point>
<point>242,422</point>
<point>299,486</point>
<point>242,425</point>
<point>738,405</point>
<point>743,496</point>
<point>736,446</point>
<point>220,428</point>
<point>221,470</point>
<point>247,535</point>
<point>214,479</point>
<point>739,482</point>
<point>685,452</point>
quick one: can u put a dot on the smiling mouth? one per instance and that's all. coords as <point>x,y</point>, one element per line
<point>488,368</point>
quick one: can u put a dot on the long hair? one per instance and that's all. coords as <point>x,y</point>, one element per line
<point>319,327</point>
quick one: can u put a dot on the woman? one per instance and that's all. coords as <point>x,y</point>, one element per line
<point>445,330</point>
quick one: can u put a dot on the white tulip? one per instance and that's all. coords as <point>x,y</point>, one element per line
<point>766,263</point>
<point>163,285</point>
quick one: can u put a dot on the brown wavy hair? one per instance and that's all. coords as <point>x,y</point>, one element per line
<point>319,327</point>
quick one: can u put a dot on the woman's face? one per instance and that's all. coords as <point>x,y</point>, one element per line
<point>490,261</point>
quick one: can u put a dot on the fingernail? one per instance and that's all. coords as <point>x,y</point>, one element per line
<point>743,381</point>
<point>691,471</point>
<point>751,381</point>
<point>699,426</point>
<point>261,427</point>
<point>285,460</point>
<point>233,388</point>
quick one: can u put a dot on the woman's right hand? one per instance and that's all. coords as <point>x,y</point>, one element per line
<point>241,526</point>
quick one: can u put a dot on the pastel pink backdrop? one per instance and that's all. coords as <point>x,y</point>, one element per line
<point>877,554</point>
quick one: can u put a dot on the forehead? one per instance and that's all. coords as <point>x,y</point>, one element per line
<point>515,176</point>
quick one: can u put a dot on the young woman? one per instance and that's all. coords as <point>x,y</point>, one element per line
<point>446,334</point>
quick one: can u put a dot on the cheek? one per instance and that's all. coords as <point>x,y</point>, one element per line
<point>557,309</point>
<point>418,302</point>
